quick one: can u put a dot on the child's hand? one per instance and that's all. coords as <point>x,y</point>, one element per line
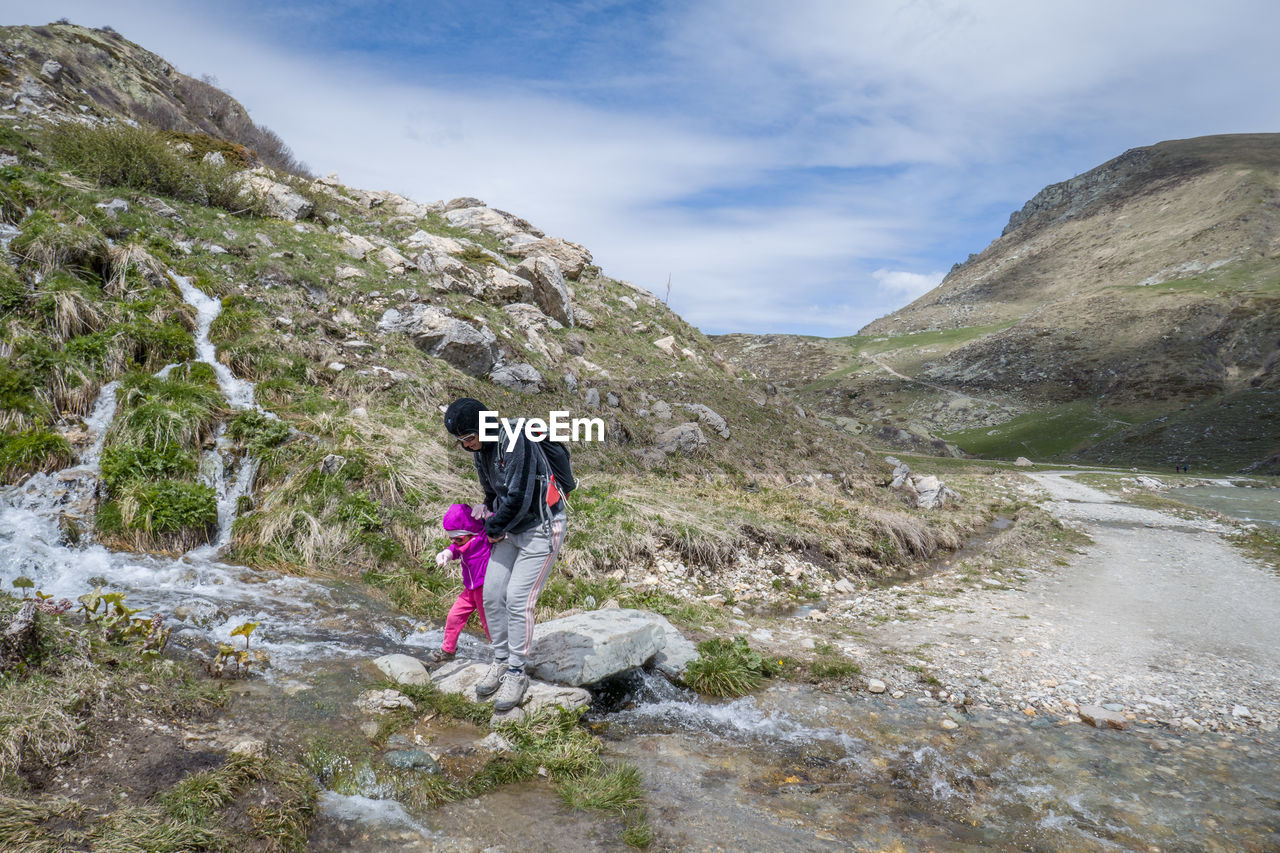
<point>481,512</point>
<point>443,557</point>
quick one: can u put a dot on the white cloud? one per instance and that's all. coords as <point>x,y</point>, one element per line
<point>906,285</point>
<point>897,137</point>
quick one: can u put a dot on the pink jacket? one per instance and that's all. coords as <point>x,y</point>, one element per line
<point>474,554</point>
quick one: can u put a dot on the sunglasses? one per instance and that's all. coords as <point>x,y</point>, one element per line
<point>462,538</point>
<point>463,439</point>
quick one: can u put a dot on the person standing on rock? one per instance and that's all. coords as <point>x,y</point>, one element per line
<point>524,520</point>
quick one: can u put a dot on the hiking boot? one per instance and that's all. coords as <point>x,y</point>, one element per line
<point>440,656</point>
<point>514,683</point>
<point>487,685</point>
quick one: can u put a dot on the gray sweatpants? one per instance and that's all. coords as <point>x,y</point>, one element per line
<point>518,567</point>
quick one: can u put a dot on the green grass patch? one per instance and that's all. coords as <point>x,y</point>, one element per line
<point>727,668</point>
<point>1043,434</point>
<point>32,450</point>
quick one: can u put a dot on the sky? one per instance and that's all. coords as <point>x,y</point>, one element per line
<point>803,166</point>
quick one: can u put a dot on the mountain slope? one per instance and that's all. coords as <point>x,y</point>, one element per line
<point>1145,289</point>
<point>359,314</point>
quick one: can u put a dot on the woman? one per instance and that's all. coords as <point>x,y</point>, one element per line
<point>525,533</point>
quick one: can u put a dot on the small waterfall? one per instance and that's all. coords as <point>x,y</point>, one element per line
<point>98,422</point>
<point>238,392</point>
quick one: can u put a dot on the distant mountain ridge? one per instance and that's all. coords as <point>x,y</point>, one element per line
<point>1146,290</point>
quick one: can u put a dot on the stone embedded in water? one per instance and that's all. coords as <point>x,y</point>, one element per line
<point>378,701</point>
<point>1113,706</point>
<point>411,759</point>
<point>461,676</point>
<point>403,669</point>
<point>1101,718</point>
<point>950,724</point>
<point>589,647</point>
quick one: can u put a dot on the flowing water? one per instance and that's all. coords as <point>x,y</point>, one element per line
<point>788,768</point>
<point>1260,506</point>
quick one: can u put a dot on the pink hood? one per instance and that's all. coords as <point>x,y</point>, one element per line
<point>458,517</point>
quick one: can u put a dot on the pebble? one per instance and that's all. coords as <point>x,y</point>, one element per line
<point>950,724</point>
<point>875,685</point>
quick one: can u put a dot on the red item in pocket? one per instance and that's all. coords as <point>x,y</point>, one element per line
<point>553,494</point>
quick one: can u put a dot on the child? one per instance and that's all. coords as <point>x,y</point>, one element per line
<point>467,543</point>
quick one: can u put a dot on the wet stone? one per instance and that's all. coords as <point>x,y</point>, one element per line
<point>411,759</point>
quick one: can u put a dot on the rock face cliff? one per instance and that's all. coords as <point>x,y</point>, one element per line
<point>1146,291</point>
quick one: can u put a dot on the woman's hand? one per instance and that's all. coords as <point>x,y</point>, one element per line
<point>443,557</point>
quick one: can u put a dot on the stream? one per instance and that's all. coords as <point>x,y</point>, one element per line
<point>790,767</point>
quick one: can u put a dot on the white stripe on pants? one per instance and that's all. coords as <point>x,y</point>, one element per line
<point>518,567</point>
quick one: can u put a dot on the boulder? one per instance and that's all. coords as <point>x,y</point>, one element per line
<point>438,263</point>
<point>550,293</point>
<point>595,645</point>
<point>685,438</point>
<point>570,258</point>
<point>393,260</point>
<point>488,220</point>
<point>356,246</point>
<point>667,344</point>
<point>678,651</point>
<point>280,200</point>
<point>461,676</point>
<point>435,243</point>
<point>51,70</point>
<point>524,378</point>
<point>931,492</point>
<point>662,410</point>
<point>708,418</point>
<point>114,207</point>
<point>1023,462</point>
<point>499,287</point>
<point>403,669</point>
<point>592,398</point>
<point>527,316</point>
<point>471,350</point>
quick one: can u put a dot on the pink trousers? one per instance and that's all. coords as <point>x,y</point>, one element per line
<point>471,600</point>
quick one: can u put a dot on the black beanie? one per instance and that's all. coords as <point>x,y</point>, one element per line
<point>463,416</point>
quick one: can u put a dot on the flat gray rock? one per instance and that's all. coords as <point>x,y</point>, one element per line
<point>589,647</point>
<point>461,676</point>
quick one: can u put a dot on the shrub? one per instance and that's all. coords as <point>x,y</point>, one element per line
<point>19,404</point>
<point>33,450</point>
<point>122,156</point>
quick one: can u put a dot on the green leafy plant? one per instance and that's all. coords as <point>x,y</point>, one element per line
<point>727,668</point>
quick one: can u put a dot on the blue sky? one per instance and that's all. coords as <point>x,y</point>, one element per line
<point>794,167</point>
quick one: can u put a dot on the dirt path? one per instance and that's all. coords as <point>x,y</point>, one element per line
<point>1159,615</point>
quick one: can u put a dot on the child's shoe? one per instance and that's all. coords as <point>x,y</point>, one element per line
<point>439,656</point>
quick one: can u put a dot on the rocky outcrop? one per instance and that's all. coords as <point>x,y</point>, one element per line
<point>471,350</point>
<point>549,290</point>
<point>487,220</point>
<point>571,258</point>
<point>280,200</point>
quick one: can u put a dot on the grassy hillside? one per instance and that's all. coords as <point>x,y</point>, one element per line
<point>88,298</point>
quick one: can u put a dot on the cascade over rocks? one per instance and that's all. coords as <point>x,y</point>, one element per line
<point>471,350</point>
